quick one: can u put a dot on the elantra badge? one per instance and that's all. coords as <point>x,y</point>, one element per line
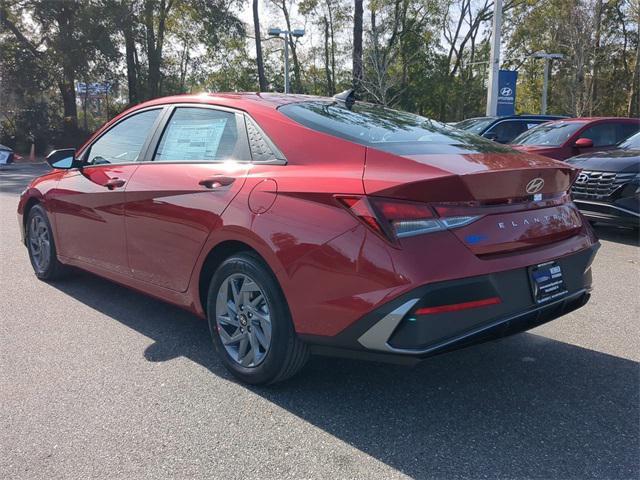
<point>535,185</point>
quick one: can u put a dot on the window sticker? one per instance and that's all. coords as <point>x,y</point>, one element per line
<point>193,139</point>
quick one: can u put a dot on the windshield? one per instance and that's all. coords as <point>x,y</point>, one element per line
<point>475,125</point>
<point>631,143</point>
<point>385,129</point>
<point>548,134</point>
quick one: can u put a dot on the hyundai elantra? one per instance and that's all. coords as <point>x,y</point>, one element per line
<point>300,225</point>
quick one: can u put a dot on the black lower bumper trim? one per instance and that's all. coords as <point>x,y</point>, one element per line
<point>392,331</point>
<point>500,329</point>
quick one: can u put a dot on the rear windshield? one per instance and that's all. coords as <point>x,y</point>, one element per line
<point>631,143</point>
<point>548,134</point>
<point>386,129</point>
<point>475,125</point>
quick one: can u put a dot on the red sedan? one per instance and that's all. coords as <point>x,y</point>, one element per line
<point>566,138</point>
<point>301,225</point>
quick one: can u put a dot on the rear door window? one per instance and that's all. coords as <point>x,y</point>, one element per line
<point>202,134</point>
<point>625,130</point>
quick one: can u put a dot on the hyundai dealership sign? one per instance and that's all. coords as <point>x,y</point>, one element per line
<point>507,80</point>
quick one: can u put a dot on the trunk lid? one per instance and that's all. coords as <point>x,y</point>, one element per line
<point>456,177</point>
<point>520,200</point>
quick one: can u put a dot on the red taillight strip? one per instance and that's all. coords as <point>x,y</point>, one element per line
<point>455,307</point>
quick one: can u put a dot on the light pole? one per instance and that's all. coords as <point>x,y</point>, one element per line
<point>494,61</point>
<point>545,81</point>
<point>276,32</point>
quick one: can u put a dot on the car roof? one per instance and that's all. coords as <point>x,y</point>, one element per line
<point>533,115</point>
<point>523,116</point>
<point>242,100</point>
<point>597,119</point>
<point>251,102</point>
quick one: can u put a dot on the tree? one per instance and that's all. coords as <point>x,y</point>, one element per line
<point>598,40</point>
<point>357,44</point>
<point>69,34</point>
<point>262,80</point>
<point>155,21</point>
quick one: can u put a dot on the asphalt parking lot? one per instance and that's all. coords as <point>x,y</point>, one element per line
<point>97,381</point>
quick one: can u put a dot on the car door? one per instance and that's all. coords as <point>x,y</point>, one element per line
<point>88,204</point>
<point>199,165</point>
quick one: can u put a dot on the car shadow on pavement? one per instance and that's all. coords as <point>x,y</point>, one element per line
<point>626,236</point>
<point>523,407</point>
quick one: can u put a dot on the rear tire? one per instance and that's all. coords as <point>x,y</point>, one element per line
<point>250,323</point>
<point>41,245</point>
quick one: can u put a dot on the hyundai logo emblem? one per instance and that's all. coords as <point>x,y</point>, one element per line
<point>506,92</point>
<point>535,185</point>
<point>582,178</point>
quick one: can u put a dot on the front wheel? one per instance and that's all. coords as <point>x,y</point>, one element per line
<point>41,245</point>
<point>250,322</point>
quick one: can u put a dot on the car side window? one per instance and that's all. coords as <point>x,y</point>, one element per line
<point>123,143</point>
<point>625,130</point>
<point>201,134</point>
<point>262,149</point>
<point>508,130</point>
<point>603,134</point>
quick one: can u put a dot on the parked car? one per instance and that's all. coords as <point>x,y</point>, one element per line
<point>563,139</point>
<point>504,129</point>
<point>256,212</point>
<point>608,188</point>
<point>6,155</point>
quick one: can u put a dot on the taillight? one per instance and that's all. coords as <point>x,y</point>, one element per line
<point>399,219</point>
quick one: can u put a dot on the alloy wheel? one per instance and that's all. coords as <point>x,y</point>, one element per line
<point>243,320</point>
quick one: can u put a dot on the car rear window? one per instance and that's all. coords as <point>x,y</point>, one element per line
<point>386,129</point>
<point>549,134</point>
<point>475,125</point>
<point>631,143</point>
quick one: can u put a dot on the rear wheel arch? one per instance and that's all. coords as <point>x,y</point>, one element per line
<point>218,254</point>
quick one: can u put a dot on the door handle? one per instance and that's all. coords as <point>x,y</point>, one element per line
<point>216,182</point>
<point>114,183</point>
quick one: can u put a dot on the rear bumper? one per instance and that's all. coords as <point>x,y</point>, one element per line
<point>394,333</point>
<point>606,212</point>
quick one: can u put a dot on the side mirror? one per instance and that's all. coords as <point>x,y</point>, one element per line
<point>64,159</point>
<point>583,143</point>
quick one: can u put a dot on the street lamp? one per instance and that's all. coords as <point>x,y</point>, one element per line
<point>547,58</point>
<point>276,32</point>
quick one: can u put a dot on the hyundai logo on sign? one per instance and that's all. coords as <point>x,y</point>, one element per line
<point>506,92</point>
